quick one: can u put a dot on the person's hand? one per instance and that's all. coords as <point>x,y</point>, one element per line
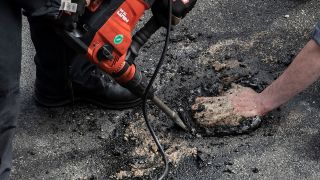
<point>180,8</point>
<point>88,2</point>
<point>248,103</point>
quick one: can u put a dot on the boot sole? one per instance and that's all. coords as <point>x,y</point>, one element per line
<point>114,106</point>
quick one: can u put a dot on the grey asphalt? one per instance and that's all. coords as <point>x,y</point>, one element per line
<point>72,142</point>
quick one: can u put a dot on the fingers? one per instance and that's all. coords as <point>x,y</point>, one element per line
<point>199,99</point>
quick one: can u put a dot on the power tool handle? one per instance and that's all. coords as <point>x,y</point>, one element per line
<point>138,84</point>
<point>141,37</point>
<point>72,39</point>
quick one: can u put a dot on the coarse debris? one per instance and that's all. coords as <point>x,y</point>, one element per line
<point>175,148</point>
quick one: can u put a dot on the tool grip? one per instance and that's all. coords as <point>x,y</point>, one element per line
<point>72,39</point>
<point>141,37</point>
<point>138,84</point>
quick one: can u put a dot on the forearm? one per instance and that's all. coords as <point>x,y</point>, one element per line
<point>303,71</point>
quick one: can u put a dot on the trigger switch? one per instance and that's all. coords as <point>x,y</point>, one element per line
<point>105,52</point>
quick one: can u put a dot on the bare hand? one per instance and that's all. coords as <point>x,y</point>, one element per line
<point>88,2</point>
<point>248,103</point>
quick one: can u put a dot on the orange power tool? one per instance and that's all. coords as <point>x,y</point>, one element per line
<point>104,33</point>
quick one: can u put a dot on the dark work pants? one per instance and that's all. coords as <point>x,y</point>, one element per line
<point>56,63</point>
<point>51,59</point>
<point>10,59</point>
<point>52,70</point>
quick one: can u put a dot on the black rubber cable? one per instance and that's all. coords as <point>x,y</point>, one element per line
<point>145,96</point>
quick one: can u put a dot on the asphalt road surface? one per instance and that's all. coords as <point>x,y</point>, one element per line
<point>83,141</point>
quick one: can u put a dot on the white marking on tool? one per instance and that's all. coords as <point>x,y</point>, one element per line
<point>123,15</point>
<point>67,5</point>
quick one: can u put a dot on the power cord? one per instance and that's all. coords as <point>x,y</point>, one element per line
<point>144,97</point>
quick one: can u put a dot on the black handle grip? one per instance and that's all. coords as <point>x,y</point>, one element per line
<point>138,84</point>
<point>72,39</point>
<point>141,37</point>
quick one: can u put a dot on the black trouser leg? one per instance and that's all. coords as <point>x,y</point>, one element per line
<point>10,60</point>
<point>52,59</point>
<point>57,65</point>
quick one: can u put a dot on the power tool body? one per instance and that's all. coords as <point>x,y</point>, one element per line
<point>104,33</point>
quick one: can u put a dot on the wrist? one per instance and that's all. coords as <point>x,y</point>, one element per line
<point>267,104</point>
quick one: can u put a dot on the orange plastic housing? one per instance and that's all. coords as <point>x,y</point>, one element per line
<point>117,32</point>
<point>94,5</point>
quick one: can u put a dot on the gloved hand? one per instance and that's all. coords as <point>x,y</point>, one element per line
<point>180,8</point>
<point>64,13</point>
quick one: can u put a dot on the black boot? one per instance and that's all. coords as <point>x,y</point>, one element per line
<point>63,78</point>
